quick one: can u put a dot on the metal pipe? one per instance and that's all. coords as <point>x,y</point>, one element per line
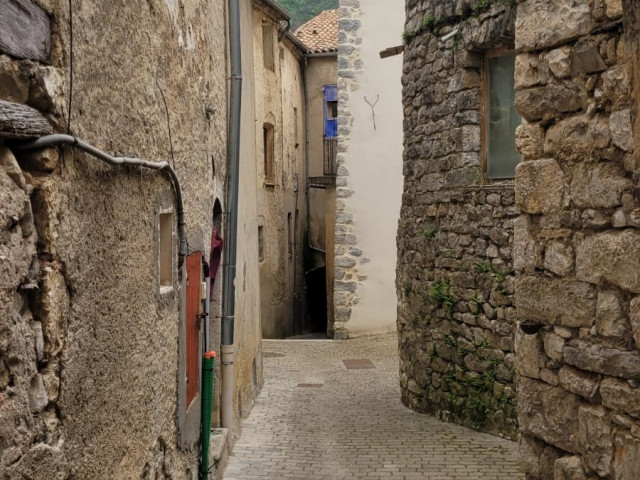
<point>205,406</point>
<point>231,220</point>
<point>59,139</point>
<point>450,35</point>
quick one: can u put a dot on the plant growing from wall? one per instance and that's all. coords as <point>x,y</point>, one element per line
<point>440,291</point>
<point>430,232</point>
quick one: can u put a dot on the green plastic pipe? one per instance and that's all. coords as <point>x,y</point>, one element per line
<point>207,403</point>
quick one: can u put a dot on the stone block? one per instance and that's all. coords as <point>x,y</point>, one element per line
<point>614,9</point>
<point>559,61</point>
<point>620,127</point>
<point>620,397</point>
<point>610,320</point>
<point>530,70</point>
<point>530,140</point>
<point>41,462</point>
<point>45,160</point>
<point>547,23</point>
<point>553,346</point>
<point>526,251</point>
<point>581,383</point>
<point>37,394</point>
<point>14,83</point>
<point>608,361</point>
<point>634,317</point>
<point>539,186</point>
<point>615,87</point>
<point>577,138</point>
<point>594,437</point>
<point>626,457</point>
<point>585,58</point>
<point>551,100</point>
<point>555,302</point>
<point>559,258</point>
<point>612,257</point>
<point>548,413</point>
<point>569,468</point>
<point>598,185</point>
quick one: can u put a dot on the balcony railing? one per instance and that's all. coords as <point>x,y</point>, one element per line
<point>330,154</point>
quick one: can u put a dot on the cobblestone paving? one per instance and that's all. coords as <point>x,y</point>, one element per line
<point>316,420</point>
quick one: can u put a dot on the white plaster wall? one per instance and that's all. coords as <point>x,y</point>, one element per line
<point>374,162</point>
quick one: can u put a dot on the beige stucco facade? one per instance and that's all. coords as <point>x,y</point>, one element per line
<point>321,70</point>
<point>92,347</point>
<point>279,114</point>
<point>369,178</point>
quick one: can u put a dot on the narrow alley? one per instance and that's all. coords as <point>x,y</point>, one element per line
<point>318,419</point>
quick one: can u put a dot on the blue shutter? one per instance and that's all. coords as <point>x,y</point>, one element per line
<point>330,124</point>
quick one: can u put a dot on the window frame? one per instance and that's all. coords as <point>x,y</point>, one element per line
<point>484,110</point>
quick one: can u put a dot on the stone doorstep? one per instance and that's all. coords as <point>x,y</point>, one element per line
<point>218,451</point>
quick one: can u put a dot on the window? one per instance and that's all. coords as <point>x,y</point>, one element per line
<point>268,144</point>
<point>330,111</point>
<point>500,116</point>
<point>166,250</point>
<point>267,47</point>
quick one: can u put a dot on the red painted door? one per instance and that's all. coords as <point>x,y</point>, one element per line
<point>194,278</point>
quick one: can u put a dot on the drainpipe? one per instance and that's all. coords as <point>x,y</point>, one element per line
<point>231,220</point>
<point>59,139</point>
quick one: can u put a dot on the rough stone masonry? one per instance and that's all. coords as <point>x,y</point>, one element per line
<point>568,262</point>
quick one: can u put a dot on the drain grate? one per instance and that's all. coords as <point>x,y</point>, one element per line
<point>272,355</point>
<point>310,385</point>
<point>358,363</point>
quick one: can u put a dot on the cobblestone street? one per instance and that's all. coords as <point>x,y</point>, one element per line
<point>316,419</point>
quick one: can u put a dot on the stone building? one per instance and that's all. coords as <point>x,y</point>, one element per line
<point>98,351</point>
<point>539,259</point>
<point>351,153</point>
<point>456,313</point>
<point>320,36</point>
<point>281,170</point>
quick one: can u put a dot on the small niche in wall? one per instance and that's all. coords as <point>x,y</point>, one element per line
<point>166,250</point>
<point>261,243</point>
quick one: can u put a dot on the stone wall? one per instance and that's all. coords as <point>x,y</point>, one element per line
<point>347,255</point>
<point>89,342</point>
<point>455,273</point>
<point>576,244</point>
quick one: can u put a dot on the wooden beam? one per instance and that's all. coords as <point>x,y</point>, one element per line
<point>25,30</point>
<point>22,122</point>
<point>390,52</point>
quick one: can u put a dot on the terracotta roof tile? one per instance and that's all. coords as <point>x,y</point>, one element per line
<point>320,34</point>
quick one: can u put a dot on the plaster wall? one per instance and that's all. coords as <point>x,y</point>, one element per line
<point>248,330</point>
<point>320,71</point>
<point>90,343</point>
<point>369,180</point>
<point>279,102</point>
